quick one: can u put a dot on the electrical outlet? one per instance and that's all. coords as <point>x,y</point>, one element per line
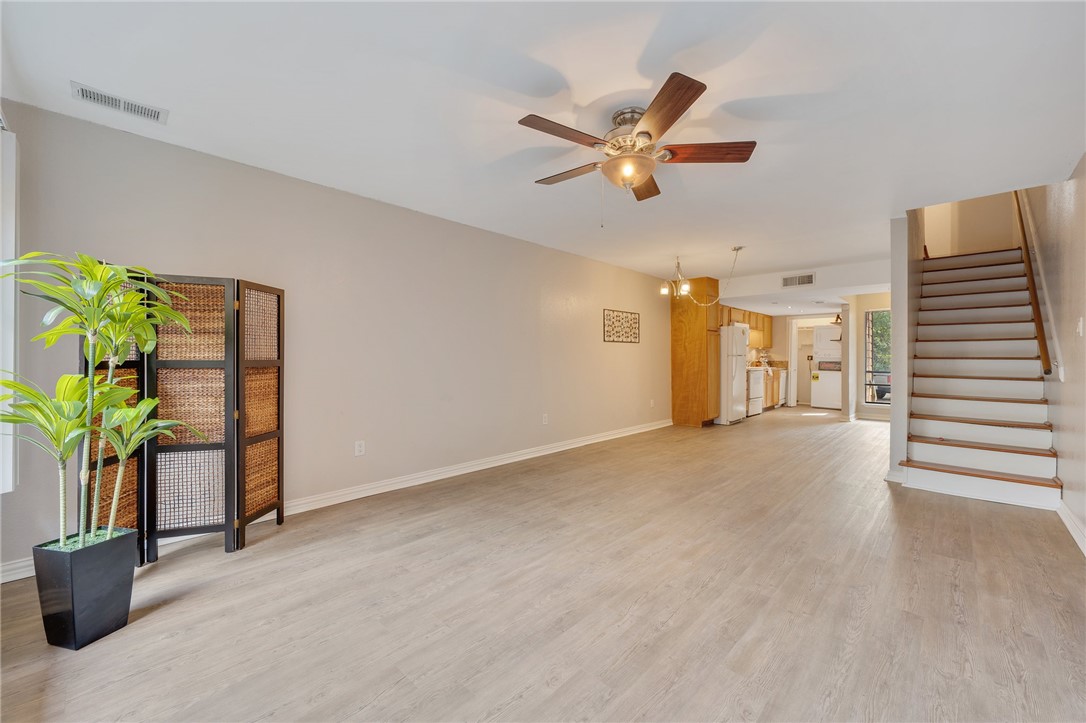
<point>359,448</point>
<point>546,418</point>
<point>652,404</point>
<point>1078,329</point>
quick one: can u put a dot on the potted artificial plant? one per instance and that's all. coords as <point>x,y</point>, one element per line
<point>85,579</point>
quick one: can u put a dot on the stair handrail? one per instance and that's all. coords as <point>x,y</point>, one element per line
<point>1038,320</point>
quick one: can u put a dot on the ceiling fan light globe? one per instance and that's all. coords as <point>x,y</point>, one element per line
<point>628,169</point>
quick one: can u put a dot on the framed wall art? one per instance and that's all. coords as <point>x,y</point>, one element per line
<point>623,327</point>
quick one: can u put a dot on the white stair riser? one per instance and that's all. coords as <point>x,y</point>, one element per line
<point>1036,438</point>
<point>1009,256</point>
<point>977,347</point>
<point>979,387</point>
<point>979,367</point>
<point>1009,313</point>
<point>976,272</point>
<point>974,286</point>
<point>1020,330</point>
<point>1001,411</point>
<point>986,459</point>
<point>1001,298</point>
<point>1012,493</point>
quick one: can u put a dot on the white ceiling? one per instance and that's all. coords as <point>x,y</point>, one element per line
<point>860,110</point>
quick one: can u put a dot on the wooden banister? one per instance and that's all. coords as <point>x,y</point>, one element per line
<point>1038,320</point>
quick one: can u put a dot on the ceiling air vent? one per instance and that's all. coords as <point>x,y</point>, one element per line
<point>142,110</point>
<point>788,282</point>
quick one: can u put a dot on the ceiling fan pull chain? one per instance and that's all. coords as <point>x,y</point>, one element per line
<point>601,200</point>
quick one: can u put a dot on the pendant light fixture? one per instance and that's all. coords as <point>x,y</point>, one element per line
<point>678,285</point>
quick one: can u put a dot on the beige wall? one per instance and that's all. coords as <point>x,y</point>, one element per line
<point>434,342</point>
<point>1059,212</point>
<point>977,224</point>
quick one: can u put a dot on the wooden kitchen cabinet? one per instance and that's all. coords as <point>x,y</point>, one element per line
<point>772,388</point>
<point>761,326</point>
<point>695,355</point>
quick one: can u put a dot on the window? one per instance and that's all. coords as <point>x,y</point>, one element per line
<point>877,355</point>
<point>7,294</point>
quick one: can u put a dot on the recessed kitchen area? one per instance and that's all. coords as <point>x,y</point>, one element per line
<point>741,357</point>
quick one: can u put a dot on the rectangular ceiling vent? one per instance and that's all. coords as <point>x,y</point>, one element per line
<point>141,110</point>
<point>788,282</point>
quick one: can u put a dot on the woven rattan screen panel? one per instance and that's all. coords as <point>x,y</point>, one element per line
<point>260,403</point>
<point>128,505</point>
<point>129,373</point>
<point>205,307</point>
<point>190,480</point>
<point>196,397</point>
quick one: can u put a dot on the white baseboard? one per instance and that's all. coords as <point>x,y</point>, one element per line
<point>18,569</point>
<point>1073,526</point>
<point>895,474</point>
<point>314,502</point>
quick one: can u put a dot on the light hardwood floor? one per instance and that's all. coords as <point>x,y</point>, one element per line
<point>763,571</point>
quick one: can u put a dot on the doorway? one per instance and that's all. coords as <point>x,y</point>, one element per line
<point>805,340</point>
<point>801,346</point>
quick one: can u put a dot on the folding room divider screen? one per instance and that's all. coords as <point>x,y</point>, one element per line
<point>226,380</point>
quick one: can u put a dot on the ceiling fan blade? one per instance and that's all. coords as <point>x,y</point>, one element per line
<point>557,129</point>
<point>737,152</point>
<point>566,175</point>
<point>677,95</point>
<point>647,189</point>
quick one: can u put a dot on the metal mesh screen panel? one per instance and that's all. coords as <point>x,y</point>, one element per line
<point>261,400</point>
<point>190,488</point>
<point>261,475</point>
<point>261,325</point>
<point>196,397</point>
<point>203,305</point>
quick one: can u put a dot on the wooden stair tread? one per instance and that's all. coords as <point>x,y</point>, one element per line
<point>981,358</point>
<point>977,253</point>
<point>966,281</point>
<point>973,308</point>
<point>986,446</point>
<point>1043,426</point>
<point>974,266</point>
<point>967,376</point>
<point>1008,400</point>
<point>988,338</point>
<point>1053,482</point>
<point>970,293</point>
<point>970,323</point>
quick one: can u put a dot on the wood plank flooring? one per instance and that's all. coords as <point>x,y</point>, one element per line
<point>758,572</point>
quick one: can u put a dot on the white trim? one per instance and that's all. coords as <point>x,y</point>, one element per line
<point>17,569</point>
<point>314,502</point>
<point>1073,526</point>
<point>895,474</point>
<point>982,488</point>
<point>8,298</point>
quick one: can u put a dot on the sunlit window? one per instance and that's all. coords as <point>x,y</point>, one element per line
<point>877,340</point>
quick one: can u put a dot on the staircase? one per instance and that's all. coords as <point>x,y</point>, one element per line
<point>979,421</point>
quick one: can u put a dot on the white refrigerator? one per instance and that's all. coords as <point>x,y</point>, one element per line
<point>734,341</point>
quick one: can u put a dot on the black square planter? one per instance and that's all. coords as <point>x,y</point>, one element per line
<point>86,594</point>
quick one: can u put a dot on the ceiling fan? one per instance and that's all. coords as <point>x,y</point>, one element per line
<point>630,146</point>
